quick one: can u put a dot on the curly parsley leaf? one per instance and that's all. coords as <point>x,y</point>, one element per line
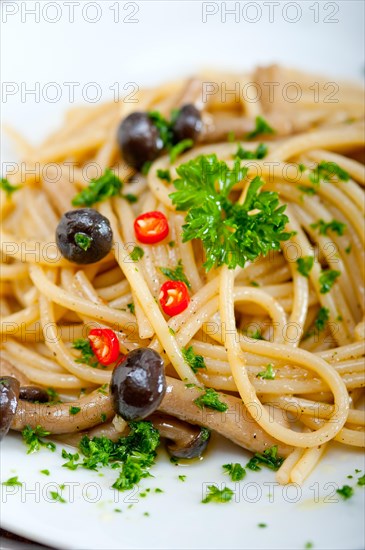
<point>83,241</point>
<point>164,175</point>
<point>323,227</point>
<point>210,399</point>
<point>327,279</point>
<point>305,265</point>
<point>99,189</point>
<point>268,458</point>
<point>259,153</point>
<point>268,373</point>
<point>235,471</point>
<point>176,274</point>
<point>261,127</point>
<point>345,492</point>
<point>231,233</point>
<point>218,495</point>
<point>6,186</point>
<point>32,438</point>
<point>87,354</point>
<point>194,361</point>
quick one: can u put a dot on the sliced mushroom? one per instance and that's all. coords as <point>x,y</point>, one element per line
<point>184,440</point>
<point>9,393</point>
<point>33,393</point>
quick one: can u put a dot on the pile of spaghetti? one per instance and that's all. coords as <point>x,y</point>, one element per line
<point>273,324</point>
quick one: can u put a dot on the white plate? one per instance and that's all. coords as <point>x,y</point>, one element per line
<point>170,39</point>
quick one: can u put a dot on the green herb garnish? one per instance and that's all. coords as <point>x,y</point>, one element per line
<point>345,492</point>
<point>179,148</point>
<point>327,279</point>
<point>32,438</point>
<point>361,480</point>
<point>45,472</point>
<point>323,227</point>
<point>83,241</point>
<point>218,495</point>
<point>87,354</point>
<point>211,400</point>
<point>12,482</point>
<point>164,175</point>
<point>57,497</point>
<point>131,308</point>
<point>74,410</point>
<point>182,478</point>
<point>129,197</point>
<point>307,190</point>
<point>194,361</point>
<point>6,186</point>
<point>235,471</point>
<point>259,153</point>
<point>305,265</point>
<point>262,127</point>
<point>268,373</point>
<point>231,233</point>
<point>99,189</point>
<point>268,458</point>
<point>176,274</point>
<point>136,254</point>
<point>262,525</point>
<point>329,172</point>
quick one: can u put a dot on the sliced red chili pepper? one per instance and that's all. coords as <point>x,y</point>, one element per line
<point>174,297</point>
<point>105,344</point>
<point>151,227</point>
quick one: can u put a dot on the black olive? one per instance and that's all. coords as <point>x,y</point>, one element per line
<point>138,384</point>
<point>84,236</point>
<point>188,123</point>
<point>139,140</point>
<point>9,393</point>
<point>33,393</point>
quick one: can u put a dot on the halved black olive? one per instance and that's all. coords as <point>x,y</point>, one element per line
<point>9,393</point>
<point>188,124</point>
<point>139,140</point>
<point>84,236</point>
<point>138,384</point>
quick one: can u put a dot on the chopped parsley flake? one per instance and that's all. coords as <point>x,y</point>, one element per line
<point>56,497</point>
<point>12,482</point>
<point>231,233</point>
<point>103,417</point>
<point>129,197</point>
<point>218,495</point>
<point>179,148</point>
<point>307,190</point>
<point>329,172</point>
<point>244,154</point>
<point>45,472</point>
<point>268,373</point>
<point>136,254</point>
<point>131,308</point>
<point>83,241</point>
<point>361,480</point>
<point>235,471</point>
<point>6,186</point>
<point>308,545</point>
<point>99,189</point>
<point>268,458</point>
<point>74,410</point>
<point>87,354</point>
<point>262,525</point>
<point>103,389</point>
<point>322,317</point>
<point>323,227</point>
<point>327,279</point>
<point>305,265</point>
<point>194,361</point>
<point>345,492</point>
<point>176,274</point>
<point>210,399</point>
<point>32,438</point>
<point>164,175</point>
<point>348,249</point>
<point>182,478</point>
<point>262,127</point>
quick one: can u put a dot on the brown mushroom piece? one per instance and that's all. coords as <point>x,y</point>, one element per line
<point>33,394</point>
<point>184,440</point>
<point>9,393</point>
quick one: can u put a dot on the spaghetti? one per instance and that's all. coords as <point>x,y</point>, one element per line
<point>283,333</point>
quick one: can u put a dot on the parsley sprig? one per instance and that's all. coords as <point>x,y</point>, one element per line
<point>268,458</point>
<point>194,361</point>
<point>33,438</point>
<point>218,495</point>
<point>235,471</point>
<point>231,233</point>
<point>99,189</point>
